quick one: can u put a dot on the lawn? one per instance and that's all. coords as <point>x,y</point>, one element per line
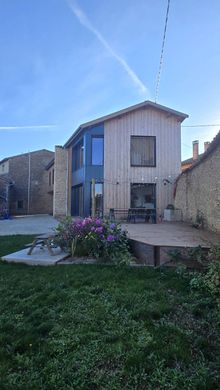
<point>100,327</point>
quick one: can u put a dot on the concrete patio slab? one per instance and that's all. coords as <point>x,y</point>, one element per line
<point>38,257</point>
<point>35,224</point>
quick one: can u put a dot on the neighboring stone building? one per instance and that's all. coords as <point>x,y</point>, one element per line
<point>28,192</point>
<point>198,189</point>
<point>196,156</point>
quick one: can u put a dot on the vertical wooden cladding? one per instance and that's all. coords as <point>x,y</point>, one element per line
<point>118,173</point>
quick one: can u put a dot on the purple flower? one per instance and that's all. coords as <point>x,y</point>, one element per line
<point>111,238</point>
<point>112,226</point>
<point>99,229</point>
<point>98,221</point>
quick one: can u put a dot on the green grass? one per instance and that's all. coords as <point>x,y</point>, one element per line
<point>10,244</point>
<point>99,327</point>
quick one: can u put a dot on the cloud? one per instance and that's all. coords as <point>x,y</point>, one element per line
<point>32,127</point>
<point>83,19</point>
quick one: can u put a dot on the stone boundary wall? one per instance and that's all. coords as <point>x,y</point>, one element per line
<point>198,189</point>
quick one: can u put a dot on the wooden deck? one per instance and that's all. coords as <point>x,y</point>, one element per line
<point>170,235</point>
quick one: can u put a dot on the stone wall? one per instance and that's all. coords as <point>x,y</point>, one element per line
<point>60,198</point>
<point>30,183</point>
<point>198,189</point>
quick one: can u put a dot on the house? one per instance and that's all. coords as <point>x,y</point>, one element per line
<point>196,156</point>
<point>133,154</point>
<point>198,189</point>
<point>24,184</point>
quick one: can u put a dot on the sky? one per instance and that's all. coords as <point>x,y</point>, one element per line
<point>65,62</point>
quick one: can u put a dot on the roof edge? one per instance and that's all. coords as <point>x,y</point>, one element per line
<point>123,111</point>
<point>24,154</point>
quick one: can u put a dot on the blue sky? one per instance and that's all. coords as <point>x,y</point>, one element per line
<point>66,62</point>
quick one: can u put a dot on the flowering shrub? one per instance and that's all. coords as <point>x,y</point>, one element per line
<point>95,237</point>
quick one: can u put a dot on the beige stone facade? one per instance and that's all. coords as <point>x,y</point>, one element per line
<point>198,189</point>
<point>28,192</point>
<point>60,192</point>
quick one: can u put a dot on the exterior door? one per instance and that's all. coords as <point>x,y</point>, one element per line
<point>77,208</point>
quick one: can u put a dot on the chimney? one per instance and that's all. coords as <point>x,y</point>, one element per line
<point>206,145</point>
<point>195,150</point>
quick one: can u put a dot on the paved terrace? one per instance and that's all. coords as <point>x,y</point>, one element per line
<point>172,234</point>
<point>36,224</point>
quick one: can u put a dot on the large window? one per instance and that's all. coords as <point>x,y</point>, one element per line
<point>97,150</point>
<point>98,199</point>
<point>143,151</point>
<point>143,195</point>
<point>78,156</point>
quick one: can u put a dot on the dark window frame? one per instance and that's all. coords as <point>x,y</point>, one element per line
<point>95,137</point>
<point>78,148</point>
<point>144,165</point>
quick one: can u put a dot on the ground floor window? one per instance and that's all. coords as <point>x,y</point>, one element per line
<point>20,204</point>
<point>77,208</point>
<point>98,199</point>
<point>143,195</point>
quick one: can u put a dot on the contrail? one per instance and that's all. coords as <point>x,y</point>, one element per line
<point>83,19</point>
<point>33,127</point>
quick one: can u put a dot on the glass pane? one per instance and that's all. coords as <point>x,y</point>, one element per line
<point>98,199</point>
<point>142,151</point>
<point>77,201</point>
<point>143,195</point>
<point>78,156</point>
<point>97,151</point>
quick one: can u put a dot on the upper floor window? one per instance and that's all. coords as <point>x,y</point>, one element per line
<point>78,156</point>
<point>97,150</point>
<point>143,151</point>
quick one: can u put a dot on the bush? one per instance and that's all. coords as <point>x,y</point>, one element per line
<point>212,277</point>
<point>94,237</point>
<point>210,280</point>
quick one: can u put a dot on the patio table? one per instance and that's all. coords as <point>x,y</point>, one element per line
<point>44,240</point>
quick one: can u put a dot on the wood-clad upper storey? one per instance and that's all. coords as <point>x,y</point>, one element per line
<point>118,172</point>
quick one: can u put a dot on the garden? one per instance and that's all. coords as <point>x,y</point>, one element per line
<point>107,327</point>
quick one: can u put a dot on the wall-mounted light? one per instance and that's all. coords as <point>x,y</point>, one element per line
<point>166,181</point>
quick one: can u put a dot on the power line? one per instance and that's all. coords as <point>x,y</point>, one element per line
<point>190,147</point>
<point>201,125</point>
<point>162,51</point>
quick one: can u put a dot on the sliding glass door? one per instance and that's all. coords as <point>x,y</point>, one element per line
<point>77,208</point>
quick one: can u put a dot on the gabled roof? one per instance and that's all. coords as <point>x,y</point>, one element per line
<point>24,154</point>
<point>147,104</point>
